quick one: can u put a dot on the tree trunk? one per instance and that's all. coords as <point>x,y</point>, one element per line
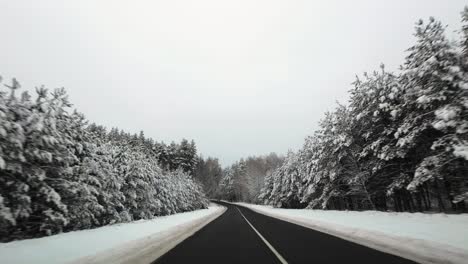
<point>397,202</point>
<point>439,195</point>
<point>419,201</point>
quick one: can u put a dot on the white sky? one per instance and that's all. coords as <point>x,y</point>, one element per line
<point>240,77</point>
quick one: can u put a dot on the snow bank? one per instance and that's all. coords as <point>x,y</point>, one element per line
<point>136,242</point>
<point>425,238</point>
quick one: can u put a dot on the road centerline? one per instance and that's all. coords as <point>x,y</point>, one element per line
<point>277,254</point>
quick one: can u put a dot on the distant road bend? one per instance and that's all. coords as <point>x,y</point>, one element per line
<point>241,235</point>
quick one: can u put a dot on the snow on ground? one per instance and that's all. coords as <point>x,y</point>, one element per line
<point>426,238</point>
<point>96,245</point>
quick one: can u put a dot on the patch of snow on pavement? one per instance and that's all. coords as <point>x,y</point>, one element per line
<point>427,238</point>
<point>71,246</point>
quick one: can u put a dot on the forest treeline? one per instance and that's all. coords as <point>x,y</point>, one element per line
<point>59,173</point>
<point>400,144</point>
<point>243,180</point>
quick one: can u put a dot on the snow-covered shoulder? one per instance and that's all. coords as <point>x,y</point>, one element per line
<point>425,238</point>
<point>135,242</point>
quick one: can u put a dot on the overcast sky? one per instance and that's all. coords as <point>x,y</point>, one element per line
<point>241,77</point>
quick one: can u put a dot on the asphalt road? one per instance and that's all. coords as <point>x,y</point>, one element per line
<point>231,238</point>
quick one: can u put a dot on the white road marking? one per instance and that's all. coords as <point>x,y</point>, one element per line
<point>281,259</point>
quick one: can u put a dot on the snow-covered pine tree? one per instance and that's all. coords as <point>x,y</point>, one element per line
<point>186,155</point>
<point>373,104</point>
<point>433,81</point>
<point>226,186</point>
<point>83,195</point>
<point>265,192</point>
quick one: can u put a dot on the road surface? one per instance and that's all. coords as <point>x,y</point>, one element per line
<point>241,235</point>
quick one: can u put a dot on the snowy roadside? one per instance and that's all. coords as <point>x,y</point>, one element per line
<point>136,242</point>
<point>425,238</point>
